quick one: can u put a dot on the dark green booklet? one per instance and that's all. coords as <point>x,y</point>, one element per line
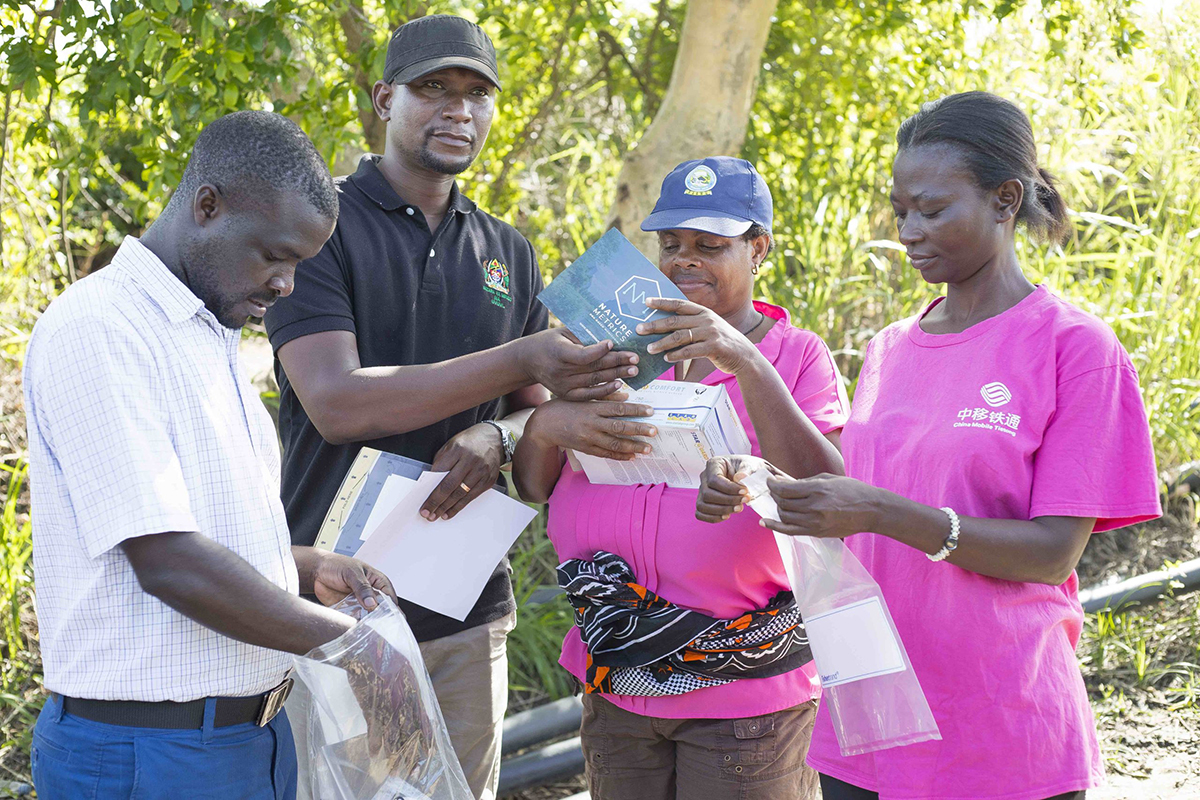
<point>602,296</point>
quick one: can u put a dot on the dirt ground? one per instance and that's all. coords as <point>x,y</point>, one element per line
<point>1152,752</point>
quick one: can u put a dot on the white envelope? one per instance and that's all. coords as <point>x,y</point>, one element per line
<point>441,565</point>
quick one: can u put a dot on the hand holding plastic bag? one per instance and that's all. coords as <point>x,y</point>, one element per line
<point>874,697</point>
<point>375,731</point>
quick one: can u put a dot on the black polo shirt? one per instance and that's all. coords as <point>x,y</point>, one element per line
<point>410,297</point>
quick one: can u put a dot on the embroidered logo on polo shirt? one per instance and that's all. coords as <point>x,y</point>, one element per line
<point>700,181</point>
<point>496,282</point>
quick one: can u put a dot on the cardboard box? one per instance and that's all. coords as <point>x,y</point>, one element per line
<point>695,422</point>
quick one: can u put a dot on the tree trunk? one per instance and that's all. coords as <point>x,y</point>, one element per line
<point>705,110</point>
<point>357,28</point>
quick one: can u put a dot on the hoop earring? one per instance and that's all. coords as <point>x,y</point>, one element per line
<point>754,269</point>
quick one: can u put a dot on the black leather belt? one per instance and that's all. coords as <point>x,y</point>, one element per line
<point>259,709</point>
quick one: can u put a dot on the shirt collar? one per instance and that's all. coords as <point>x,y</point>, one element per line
<point>170,294</point>
<point>370,180</point>
<point>770,346</point>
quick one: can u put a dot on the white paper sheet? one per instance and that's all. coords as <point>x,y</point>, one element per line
<point>444,565</point>
<point>395,488</point>
<point>871,650</point>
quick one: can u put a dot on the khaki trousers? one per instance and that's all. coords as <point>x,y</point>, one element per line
<point>470,678</point>
<point>631,757</point>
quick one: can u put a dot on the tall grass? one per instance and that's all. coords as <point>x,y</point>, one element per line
<point>20,667</point>
<point>533,671</point>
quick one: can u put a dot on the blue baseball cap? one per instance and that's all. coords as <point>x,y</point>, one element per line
<point>719,195</point>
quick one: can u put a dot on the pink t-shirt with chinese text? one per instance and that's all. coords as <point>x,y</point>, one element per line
<point>1035,412</point>
<point>723,569</point>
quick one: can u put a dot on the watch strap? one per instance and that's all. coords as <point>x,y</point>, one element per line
<point>507,438</point>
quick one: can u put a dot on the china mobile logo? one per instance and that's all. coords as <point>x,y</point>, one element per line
<point>996,394</point>
<point>991,420</point>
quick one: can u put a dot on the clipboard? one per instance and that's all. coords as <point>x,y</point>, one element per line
<point>341,530</point>
<point>343,525</point>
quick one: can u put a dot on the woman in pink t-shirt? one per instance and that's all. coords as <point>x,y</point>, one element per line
<point>666,733</point>
<point>990,436</point>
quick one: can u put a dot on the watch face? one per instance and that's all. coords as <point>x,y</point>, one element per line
<point>507,439</point>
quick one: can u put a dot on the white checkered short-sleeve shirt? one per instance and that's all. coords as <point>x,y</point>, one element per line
<point>141,421</point>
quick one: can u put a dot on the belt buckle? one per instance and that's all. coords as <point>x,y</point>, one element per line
<point>273,702</point>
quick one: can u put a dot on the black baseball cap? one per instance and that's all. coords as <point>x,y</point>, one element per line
<point>439,41</point>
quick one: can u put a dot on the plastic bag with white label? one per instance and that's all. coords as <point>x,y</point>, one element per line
<point>873,695</point>
<point>375,731</point>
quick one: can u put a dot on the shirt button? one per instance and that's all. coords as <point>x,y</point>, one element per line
<point>409,211</point>
<point>432,254</point>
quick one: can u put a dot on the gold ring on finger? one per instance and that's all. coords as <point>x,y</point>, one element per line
<point>465,488</point>
<point>689,330</point>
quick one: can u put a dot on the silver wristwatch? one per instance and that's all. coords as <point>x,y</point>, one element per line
<point>506,438</point>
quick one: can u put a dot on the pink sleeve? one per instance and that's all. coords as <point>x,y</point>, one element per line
<point>1096,458</point>
<point>819,391</point>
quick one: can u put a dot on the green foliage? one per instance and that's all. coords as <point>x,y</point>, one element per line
<point>20,672</point>
<point>533,647</point>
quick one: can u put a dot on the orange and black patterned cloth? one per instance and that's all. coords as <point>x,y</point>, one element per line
<point>641,644</point>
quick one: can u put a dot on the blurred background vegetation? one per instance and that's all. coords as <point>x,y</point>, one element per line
<point>102,100</point>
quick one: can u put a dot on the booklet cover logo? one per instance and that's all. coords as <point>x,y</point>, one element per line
<point>631,298</point>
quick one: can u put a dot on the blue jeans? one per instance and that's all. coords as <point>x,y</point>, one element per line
<point>78,759</point>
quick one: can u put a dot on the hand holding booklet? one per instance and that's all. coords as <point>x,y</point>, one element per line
<point>602,296</point>
<point>874,698</point>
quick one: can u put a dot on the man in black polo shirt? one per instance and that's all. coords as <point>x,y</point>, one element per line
<point>406,333</point>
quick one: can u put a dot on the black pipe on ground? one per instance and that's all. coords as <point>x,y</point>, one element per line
<point>541,724</point>
<point>1144,588</point>
<point>554,762</point>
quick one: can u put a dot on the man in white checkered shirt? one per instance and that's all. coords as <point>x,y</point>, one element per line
<point>167,587</point>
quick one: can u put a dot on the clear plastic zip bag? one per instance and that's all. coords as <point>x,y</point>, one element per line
<point>374,728</point>
<point>867,681</point>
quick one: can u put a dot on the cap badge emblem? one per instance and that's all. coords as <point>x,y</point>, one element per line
<point>700,181</point>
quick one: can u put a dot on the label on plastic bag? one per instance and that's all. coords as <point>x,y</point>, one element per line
<point>856,643</point>
<point>396,788</point>
<point>339,714</point>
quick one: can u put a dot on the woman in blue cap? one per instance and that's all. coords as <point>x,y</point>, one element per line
<point>698,680</point>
